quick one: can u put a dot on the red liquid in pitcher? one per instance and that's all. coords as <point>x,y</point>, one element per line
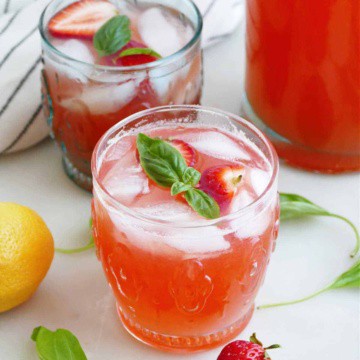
<point>303,79</point>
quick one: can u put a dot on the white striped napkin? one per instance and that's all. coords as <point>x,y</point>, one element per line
<point>21,119</point>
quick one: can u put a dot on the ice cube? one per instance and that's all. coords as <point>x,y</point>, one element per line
<point>172,210</point>
<point>161,85</point>
<point>78,73</point>
<point>216,144</point>
<point>162,31</point>
<point>126,180</point>
<point>259,179</point>
<point>190,240</point>
<point>119,149</point>
<point>242,199</point>
<point>104,99</point>
<point>254,225</point>
<point>165,238</point>
<point>126,185</point>
<point>198,240</point>
<point>75,49</point>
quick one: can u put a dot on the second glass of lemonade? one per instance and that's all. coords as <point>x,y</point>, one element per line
<point>84,94</point>
<point>182,281</point>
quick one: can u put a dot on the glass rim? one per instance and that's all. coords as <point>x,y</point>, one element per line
<point>148,66</point>
<point>248,209</point>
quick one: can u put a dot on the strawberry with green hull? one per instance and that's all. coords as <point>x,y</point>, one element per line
<point>246,350</point>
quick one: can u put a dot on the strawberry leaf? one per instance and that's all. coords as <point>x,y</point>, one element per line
<point>113,35</point>
<point>255,340</point>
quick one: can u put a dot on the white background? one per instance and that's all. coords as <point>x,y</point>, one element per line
<point>309,254</point>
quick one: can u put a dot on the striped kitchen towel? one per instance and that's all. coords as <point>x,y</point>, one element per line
<point>21,119</point>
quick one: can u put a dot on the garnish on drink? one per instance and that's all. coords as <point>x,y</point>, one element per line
<point>166,165</point>
<point>109,31</point>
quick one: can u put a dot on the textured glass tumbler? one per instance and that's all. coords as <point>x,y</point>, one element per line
<point>82,100</point>
<point>197,297</point>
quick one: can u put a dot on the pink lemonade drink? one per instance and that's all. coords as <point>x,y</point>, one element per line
<point>185,256</point>
<point>104,61</point>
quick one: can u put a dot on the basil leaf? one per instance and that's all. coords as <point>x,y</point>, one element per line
<point>202,203</point>
<point>293,206</point>
<point>57,345</point>
<point>161,161</point>
<point>191,176</point>
<point>113,35</point>
<point>166,166</point>
<point>349,279</point>
<point>179,187</point>
<point>139,51</point>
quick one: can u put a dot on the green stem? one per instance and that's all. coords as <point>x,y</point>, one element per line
<point>357,246</point>
<point>75,250</point>
<point>294,301</point>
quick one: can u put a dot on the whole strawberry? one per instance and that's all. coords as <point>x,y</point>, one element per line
<point>246,350</point>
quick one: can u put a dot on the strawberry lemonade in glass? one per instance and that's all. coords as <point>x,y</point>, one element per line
<point>105,60</point>
<point>185,216</point>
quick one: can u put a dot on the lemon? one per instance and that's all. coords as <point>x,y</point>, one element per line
<point>26,253</point>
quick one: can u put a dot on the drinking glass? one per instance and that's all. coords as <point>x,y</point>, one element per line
<point>82,100</point>
<point>183,285</point>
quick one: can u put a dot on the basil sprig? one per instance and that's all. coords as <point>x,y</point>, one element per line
<point>139,51</point>
<point>113,35</point>
<point>294,206</point>
<point>348,279</point>
<point>57,345</point>
<point>166,166</point>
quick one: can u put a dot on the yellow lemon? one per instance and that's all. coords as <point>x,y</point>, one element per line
<point>26,252</point>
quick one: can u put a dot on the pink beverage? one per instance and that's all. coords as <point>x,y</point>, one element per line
<point>181,281</point>
<point>86,91</point>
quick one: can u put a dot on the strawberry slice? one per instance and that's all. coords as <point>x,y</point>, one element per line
<point>221,182</point>
<point>81,19</point>
<point>187,151</point>
<point>130,60</point>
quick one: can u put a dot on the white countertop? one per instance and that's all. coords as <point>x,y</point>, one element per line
<point>75,295</point>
